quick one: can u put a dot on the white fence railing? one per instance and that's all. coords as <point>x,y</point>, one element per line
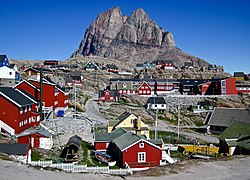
<point>70,167</point>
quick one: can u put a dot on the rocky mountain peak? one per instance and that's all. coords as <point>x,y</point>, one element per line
<point>136,38</point>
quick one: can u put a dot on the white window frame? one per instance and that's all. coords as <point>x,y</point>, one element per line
<point>141,157</point>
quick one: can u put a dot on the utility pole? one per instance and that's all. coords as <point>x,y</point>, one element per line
<point>41,93</point>
<point>75,98</point>
<point>156,119</point>
<point>178,127</point>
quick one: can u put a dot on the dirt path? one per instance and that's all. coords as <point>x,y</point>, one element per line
<point>237,168</point>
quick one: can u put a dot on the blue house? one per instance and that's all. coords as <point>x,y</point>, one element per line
<point>148,65</point>
<point>4,61</point>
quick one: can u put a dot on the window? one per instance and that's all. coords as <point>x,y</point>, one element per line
<point>142,157</point>
<point>141,145</point>
<point>10,73</point>
<point>131,121</point>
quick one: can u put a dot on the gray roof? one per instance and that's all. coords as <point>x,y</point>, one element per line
<point>74,140</point>
<point>126,140</point>
<point>156,100</point>
<point>16,149</point>
<point>32,130</point>
<point>16,96</point>
<point>112,66</point>
<point>122,117</point>
<point>107,137</point>
<point>29,95</point>
<point>225,116</point>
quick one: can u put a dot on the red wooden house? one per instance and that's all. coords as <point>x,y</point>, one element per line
<point>53,96</point>
<point>225,86</point>
<point>135,151</point>
<point>50,93</point>
<point>63,99</point>
<point>16,110</point>
<point>108,95</point>
<point>144,89</point>
<point>243,88</point>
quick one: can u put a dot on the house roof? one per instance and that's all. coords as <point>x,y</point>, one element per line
<point>15,96</point>
<point>28,95</point>
<point>156,100</point>
<point>236,130</point>
<point>225,116</point>
<point>2,57</point>
<point>239,74</point>
<point>122,117</point>
<point>192,82</point>
<point>139,65</point>
<point>56,79</point>
<point>166,80</point>
<point>27,82</point>
<point>244,143</point>
<point>74,140</point>
<point>127,140</point>
<point>107,137</point>
<point>12,66</point>
<point>17,149</point>
<point>112,66</point>
<point>32,130</point>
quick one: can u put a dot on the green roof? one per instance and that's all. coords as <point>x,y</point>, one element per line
<point>236,130</point>
<point>244,143</point>
<point>107,137</point>
<point>126,140</point>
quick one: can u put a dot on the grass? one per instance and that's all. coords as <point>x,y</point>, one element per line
<point>35,155</point>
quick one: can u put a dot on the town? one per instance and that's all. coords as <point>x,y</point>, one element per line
<point>99,117</point>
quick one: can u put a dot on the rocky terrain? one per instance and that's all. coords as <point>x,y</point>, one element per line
<point>136,38</point>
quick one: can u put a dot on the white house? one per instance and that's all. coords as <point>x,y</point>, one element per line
<point>7,76</point>
<point>156,103</point>
<point>7,73</point>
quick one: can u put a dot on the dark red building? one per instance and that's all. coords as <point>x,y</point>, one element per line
<point>144,89</point>
<point>108,95</point>
<point>16,110</point>
<point>134,151</point>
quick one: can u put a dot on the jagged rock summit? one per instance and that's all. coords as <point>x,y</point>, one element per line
<point>136,38</point>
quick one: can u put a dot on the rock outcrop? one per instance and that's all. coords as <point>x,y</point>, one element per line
<point>136,38</point>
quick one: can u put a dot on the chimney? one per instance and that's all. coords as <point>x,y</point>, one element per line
<point>138,123</point>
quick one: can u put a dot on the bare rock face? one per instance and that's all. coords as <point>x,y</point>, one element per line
<point>136,38</point>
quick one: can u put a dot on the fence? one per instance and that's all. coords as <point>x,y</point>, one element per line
<point>71,167</point>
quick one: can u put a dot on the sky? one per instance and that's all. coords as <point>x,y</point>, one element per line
<point>217,31</point>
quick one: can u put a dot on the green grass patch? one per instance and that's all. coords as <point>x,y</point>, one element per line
<point>35,155</point>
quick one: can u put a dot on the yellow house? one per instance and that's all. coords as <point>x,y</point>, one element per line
<point>130,122</point>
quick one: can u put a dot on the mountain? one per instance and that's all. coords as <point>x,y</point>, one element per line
<point>136,39</point>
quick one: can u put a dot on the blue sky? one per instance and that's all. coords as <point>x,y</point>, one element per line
<point>215,30</point>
